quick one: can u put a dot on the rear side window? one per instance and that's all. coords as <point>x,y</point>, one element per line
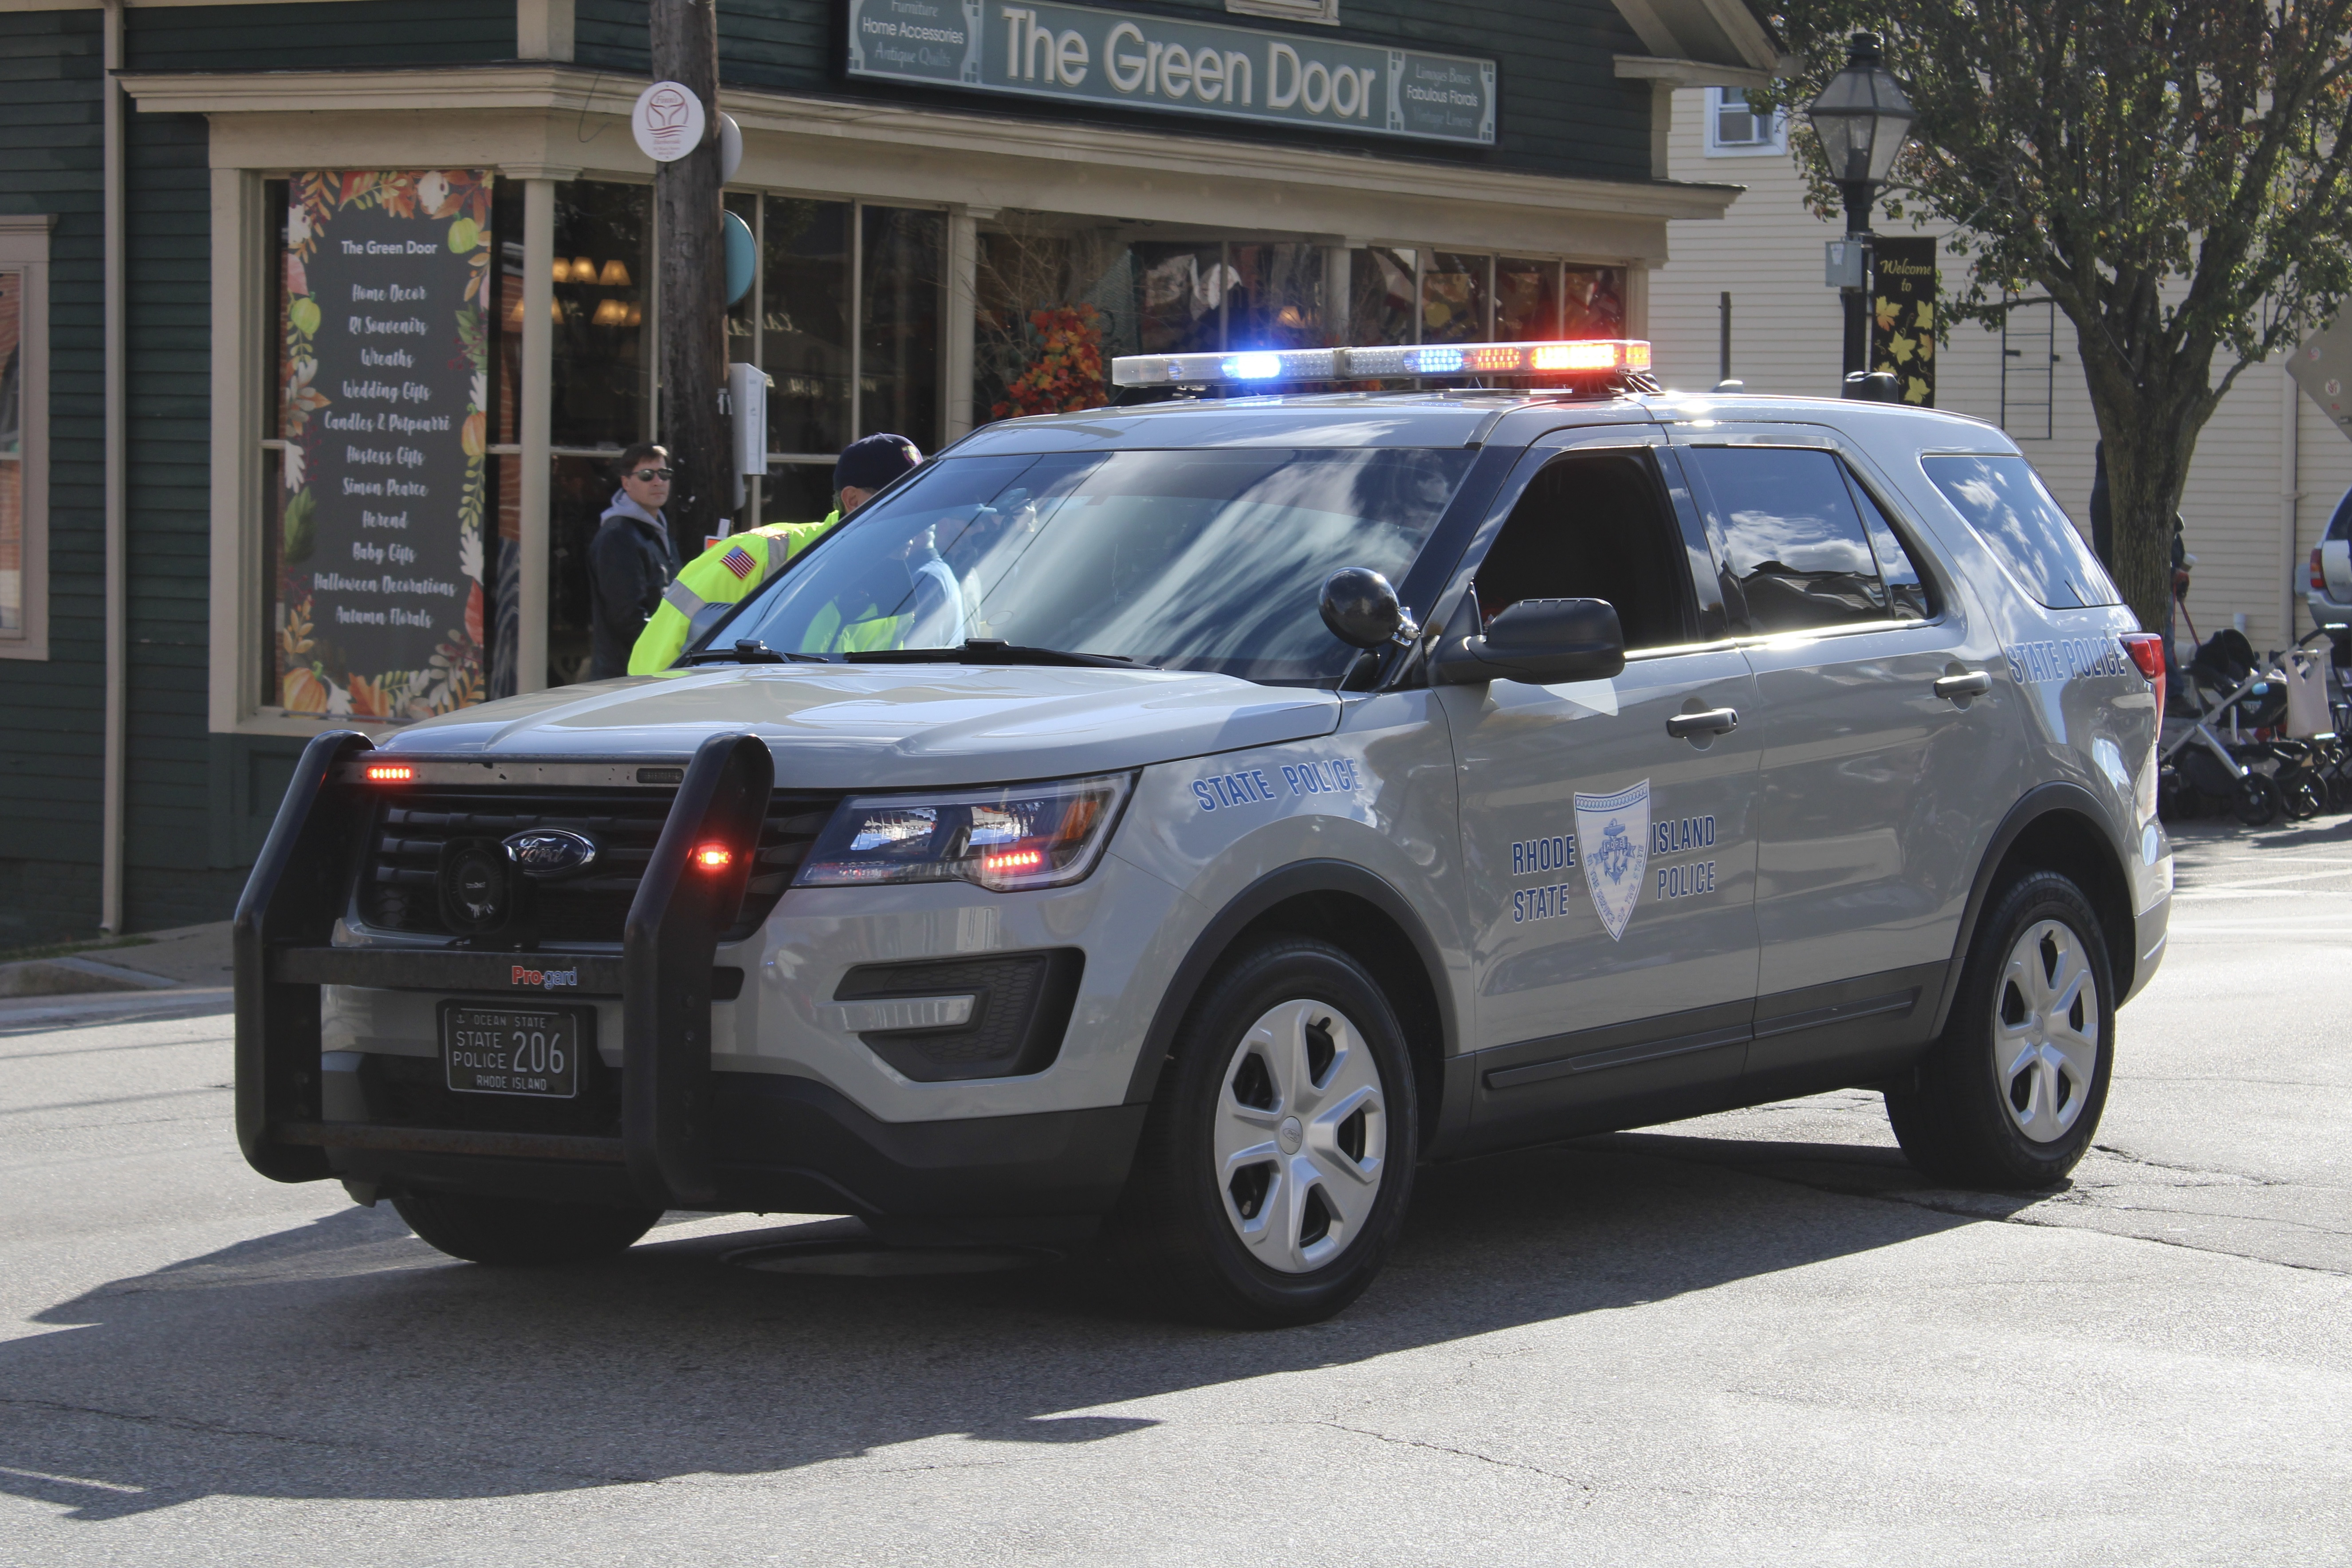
<point>1908,597</point>
<point>1798,552</point>
<point>2005,500</point>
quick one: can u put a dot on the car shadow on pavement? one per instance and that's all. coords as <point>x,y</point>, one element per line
<point>343,1359</point>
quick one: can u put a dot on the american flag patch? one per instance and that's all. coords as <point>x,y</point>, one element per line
<point>738,561</point>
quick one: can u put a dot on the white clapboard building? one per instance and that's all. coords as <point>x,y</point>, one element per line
<point>2270,466</point>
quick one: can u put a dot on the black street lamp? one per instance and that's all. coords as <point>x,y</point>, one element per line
<point>1861,118</point>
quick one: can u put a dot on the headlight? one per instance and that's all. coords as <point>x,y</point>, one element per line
<point>1021,836</point>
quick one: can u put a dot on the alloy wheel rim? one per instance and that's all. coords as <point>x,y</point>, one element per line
<point>2045,1032</point>
<point>1300,1137</point>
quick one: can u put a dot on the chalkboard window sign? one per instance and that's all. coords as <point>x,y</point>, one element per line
<point>383,385</point>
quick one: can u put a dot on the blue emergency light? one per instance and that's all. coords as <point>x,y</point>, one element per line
<point>1581,356</point>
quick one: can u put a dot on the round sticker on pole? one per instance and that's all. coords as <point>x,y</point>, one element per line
<point>667,122</point>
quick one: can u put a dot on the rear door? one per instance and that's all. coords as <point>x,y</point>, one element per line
<point>1609,863</point>
<point>1887,739</point>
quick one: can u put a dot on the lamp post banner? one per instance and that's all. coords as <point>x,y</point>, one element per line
<point>383,399</point>
<point>1083,54</point>
<point>1903,315</point>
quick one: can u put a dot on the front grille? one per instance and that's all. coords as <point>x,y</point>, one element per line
<point>398,885</point>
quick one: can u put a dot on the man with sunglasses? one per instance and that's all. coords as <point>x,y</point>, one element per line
<point>731,570</point>
<point>631,560</point>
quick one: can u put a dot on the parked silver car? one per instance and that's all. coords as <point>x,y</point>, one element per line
<point>1170,825</point>
<point>2327,586</point>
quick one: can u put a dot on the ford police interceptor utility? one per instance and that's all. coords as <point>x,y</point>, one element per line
<point>1168,825</point>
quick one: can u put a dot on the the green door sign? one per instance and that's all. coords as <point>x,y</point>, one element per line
<point>1133,60</point>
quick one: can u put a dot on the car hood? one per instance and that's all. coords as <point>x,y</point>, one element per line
<point>868,726</point>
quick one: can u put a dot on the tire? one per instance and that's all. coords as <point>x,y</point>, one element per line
<point>521,1232</point>
<point>2256,800</point>
<point>2005,1100</point>
<point>1277,1160</point>
<point>2302,794</point>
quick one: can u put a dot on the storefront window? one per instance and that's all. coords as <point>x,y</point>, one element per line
<point>1277,296</point>
<point>1056,302</point>
<point>902,262</point>
<point>580,488</point>
<point>1453,299</point>
<point>1384,283</point>
<point>1527,299</point>
<point>825,267</point>
<point>1595,302</point>
<point>1180,297</point>
<point>601,384</point>
<point>805,326</point>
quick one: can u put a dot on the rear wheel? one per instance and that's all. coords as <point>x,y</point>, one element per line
<point>2009,1095</point>
<point>1277,1161</point>
<point>520,1231</point>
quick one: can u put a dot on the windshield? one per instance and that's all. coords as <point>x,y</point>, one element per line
<point>1195,560</point>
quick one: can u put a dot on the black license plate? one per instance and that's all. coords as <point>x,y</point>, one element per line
<point>532,1051</point>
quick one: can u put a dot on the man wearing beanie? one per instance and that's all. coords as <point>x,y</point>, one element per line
<point>729,572</point>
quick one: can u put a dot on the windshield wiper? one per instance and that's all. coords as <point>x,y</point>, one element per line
<point>748,650</point>
<point>988,650</point>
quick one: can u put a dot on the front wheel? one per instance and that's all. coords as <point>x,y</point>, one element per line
<point>2302,792</point>
<point>2009,1094</point>
<point>2257,800</point>
<point>480,1228</point>
<point>1277,1161</point>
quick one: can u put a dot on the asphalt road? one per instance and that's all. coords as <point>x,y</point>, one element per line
<point>1749,1340</point>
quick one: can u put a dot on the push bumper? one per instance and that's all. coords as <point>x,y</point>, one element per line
<point>685,1136</point>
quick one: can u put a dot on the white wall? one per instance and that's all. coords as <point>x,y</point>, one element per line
<point>1786,337</point>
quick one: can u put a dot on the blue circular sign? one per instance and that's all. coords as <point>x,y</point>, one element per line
<point>742,258</point>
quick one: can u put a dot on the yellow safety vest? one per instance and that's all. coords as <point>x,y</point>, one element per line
<point>726,573</point>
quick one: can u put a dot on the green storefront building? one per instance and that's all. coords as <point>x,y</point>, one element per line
<point>322,320</point>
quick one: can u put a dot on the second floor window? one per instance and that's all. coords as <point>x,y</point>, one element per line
<point>1734,128</point>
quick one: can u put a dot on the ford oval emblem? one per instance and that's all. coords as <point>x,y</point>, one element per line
<point>551,852</point>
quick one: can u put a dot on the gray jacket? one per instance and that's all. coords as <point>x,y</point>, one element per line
<point>630,561</point>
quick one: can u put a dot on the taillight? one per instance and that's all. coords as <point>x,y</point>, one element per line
<point>389,773</point>
<point>2318,574</point>
<point>714,857</point>
<point>2147,650</point>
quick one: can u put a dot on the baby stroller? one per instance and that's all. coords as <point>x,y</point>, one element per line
<point>2208,752</point>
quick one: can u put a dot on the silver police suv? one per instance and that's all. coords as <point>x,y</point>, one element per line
<point>1168,826</point>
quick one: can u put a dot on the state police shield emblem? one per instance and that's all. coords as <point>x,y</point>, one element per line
<point>1612,832</point>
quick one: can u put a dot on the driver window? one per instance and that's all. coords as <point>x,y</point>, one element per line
<point>1592,527</point>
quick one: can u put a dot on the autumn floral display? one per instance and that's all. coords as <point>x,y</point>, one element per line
<point>1066,373</point>
<point>312,674</point>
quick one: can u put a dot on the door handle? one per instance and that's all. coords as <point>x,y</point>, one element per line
<point>1952,688</point>
<point>1714,721</point>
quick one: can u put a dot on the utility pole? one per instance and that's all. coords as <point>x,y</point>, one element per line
<point>692,280</point>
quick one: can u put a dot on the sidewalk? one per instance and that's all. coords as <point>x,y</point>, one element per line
<point>188,956</point>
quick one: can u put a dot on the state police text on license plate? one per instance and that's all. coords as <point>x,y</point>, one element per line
<point>515,1050</point>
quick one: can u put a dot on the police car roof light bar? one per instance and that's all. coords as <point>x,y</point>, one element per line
<point>1576,357</point>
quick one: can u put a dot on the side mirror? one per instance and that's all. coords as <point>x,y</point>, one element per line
<point>1539,641</point>
<point>1361,609</point>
